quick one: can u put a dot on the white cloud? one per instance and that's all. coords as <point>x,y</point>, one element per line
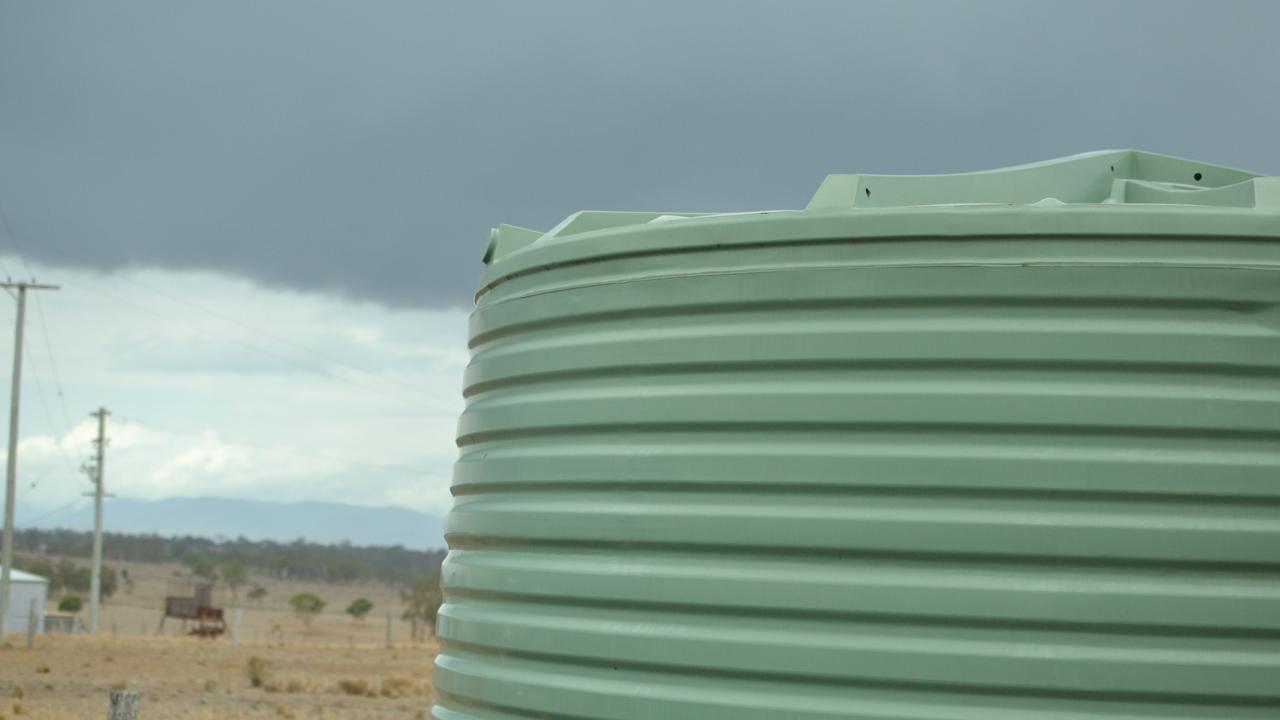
<point>218,387</point>
<point>206,461</point>
<point>364,335</point>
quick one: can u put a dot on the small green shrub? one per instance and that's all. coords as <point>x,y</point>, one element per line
<point>259,670</point>
<point>306,606</point>
<point>359,608</point>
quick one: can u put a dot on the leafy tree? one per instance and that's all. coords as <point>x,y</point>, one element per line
<point>306,606</point>
<point>42,567</point>
<point>201,565</point>
<point>75,579</point>
<point>107,583</point>
<point>359,608</point>
<point>257,593</point>
<point>66,575</point>
<point>421,603</point>
<point>234,575</point>
<point>70,604</point>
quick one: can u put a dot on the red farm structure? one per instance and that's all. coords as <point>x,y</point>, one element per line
<point>192,602</point>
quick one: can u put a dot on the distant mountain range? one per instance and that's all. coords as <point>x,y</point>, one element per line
<point>316,522</point>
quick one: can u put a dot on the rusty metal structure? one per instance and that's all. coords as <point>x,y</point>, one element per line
<point>192,603</point>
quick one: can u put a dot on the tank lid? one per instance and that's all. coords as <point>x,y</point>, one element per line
<point>1109,191</point>
<point>1105,177</point>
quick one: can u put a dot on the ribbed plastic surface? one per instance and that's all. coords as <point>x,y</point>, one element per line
<point>954,463</point>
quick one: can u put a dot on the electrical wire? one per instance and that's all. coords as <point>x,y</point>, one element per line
<point>55,511</point>
<point>282,340</point>
<point>48,416</point>
<point>36,483</point>
<point>4,218</point>
<point>306,454</point>
<point>434,404</point>
<point>48,348</point>
<point>310,455</point>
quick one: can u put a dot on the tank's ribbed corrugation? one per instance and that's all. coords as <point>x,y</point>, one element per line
<point>981,478</point>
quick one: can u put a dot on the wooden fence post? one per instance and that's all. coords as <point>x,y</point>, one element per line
<point>388,629</point>
<point>124,705</point>
<point>33,619</point>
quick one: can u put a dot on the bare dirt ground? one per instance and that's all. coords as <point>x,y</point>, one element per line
<point>333,668</point>
<point>70,677</point>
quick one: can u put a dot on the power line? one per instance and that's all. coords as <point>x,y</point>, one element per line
<point>277,338</point>
<point>48,416</point>
<point>311,455</point>
<point>270,353</point>
<point>308,454</point>
<point>44,327</point>
<point>55,511</point>
<point>13,240</point>
<point>335,459</point>
<point>4,218</point>
<point>48,348</point>
<point>36,483</point>
<point>309,352</point>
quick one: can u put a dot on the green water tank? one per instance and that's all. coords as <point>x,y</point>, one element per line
<point>963,447</point>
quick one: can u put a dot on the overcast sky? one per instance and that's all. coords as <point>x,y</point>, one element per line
<point>324,175</point>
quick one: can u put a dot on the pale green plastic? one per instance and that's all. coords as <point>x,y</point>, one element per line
<point>989,446</point>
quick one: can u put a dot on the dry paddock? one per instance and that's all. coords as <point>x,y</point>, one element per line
<point>70,677</point>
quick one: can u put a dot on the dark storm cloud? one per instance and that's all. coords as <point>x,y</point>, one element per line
<point>366,148</point>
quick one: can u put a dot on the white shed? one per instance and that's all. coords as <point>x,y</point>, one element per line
<point>23,588</point>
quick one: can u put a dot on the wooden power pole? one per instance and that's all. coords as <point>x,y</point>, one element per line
<point>11,465</point>
<point>96,476</point>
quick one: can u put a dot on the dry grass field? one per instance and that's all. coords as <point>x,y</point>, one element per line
<point>69,677</point>
<point>335,668</point>
<point>138,611</point>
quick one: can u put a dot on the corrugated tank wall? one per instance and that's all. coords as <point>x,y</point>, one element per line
<point>961,462</point>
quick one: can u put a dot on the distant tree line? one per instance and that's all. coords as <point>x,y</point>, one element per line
<point>230,560</point>
<point>65,576</point>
